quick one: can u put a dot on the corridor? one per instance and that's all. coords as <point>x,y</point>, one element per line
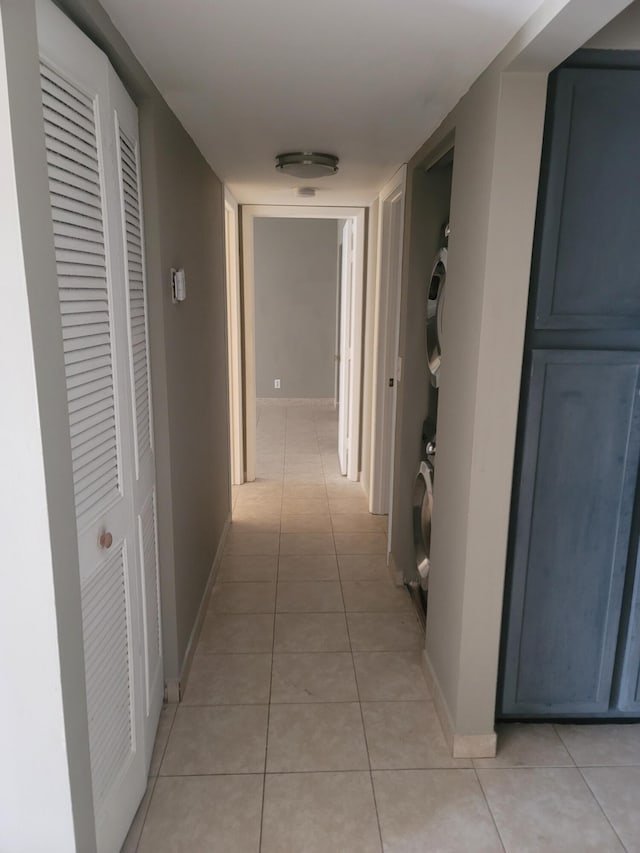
<point>307,726</point>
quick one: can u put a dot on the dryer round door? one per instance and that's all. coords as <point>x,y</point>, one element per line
<point>435,310</point>
<point>422,509</point>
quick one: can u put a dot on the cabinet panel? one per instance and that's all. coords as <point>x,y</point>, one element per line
<point>588,261</point>
<point>629,696</point>
<point>572,529</point>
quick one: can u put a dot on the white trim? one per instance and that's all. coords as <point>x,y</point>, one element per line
<point>386,341</point>
<point>249,213</point>
<point>174,689</point>
<point>460,746</point>
<point>234,337</point>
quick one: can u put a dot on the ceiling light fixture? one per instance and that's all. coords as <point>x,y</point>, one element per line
<point>307,164</point>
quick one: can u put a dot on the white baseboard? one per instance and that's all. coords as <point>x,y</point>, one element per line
<point>460,745</point>
<point>327,402</point>
<point>177,689</point>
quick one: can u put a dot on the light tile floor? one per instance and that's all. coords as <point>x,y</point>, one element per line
<point>307,726</point>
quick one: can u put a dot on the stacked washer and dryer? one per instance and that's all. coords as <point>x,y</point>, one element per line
<point>423,487</point>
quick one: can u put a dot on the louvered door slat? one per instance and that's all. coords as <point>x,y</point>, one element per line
<point>77,212</point>
<point>107,651</point>
<point>89,436</point>
<point>147,534</point>
<point>130,192</point>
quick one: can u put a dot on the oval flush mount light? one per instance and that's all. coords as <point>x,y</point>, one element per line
<point>307,164</point>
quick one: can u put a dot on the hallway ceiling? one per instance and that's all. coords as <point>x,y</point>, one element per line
<point>368,80</point>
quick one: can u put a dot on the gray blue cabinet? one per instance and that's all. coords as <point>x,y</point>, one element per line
<point>579,478</point>
<point>589,251</point>
<point>571,626</point>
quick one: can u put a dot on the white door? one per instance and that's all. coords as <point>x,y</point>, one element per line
<point>346,302</point>
<point>91,143</point>
<point>125,120</point>
<point>386,343</point>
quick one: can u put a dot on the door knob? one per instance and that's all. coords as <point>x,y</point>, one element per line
<point>105,539</point>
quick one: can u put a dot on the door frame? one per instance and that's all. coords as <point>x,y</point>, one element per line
<point>386,345</point>
<point>234,337</point>
<point>258,211</point>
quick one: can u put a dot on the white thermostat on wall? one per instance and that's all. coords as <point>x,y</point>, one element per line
<point>178,286</point>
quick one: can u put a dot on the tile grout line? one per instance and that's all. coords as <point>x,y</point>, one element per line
<point>489,809</point>
<point>364,730</point>
<point>155,781</point>
<point>273,640</point>
<point>605,815</point>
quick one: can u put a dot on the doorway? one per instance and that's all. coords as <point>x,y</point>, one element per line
<point>350,323</point>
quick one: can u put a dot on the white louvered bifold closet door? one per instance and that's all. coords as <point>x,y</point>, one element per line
<point>144,497</point>
<point>97,280</point>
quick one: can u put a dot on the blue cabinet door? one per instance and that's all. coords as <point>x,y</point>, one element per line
<point>576,493</point>
<point>587,261</point>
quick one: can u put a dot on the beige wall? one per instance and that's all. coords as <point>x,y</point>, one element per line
<point>184,204</point>
<point>296,287</point>
<point>623,33</point>
<point>498,135</point>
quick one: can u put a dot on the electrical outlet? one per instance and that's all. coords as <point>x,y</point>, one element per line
<point>276,383</point>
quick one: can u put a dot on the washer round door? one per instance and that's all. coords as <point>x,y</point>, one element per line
<point>422,509</point>
<point>435,310</point>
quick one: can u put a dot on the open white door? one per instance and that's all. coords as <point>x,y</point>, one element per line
<point>386,373</point>
<point>345,347</point>
<point>93,166</point>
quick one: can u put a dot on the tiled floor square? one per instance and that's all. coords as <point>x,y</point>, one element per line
<point>249,568</point>
<point>384,632</point>
<point>322,736</point>
<point>349,505</point>
<point>521,745</point>
<point>204,813</point>
<point>319,813</point>
<point>371,597</point>
<point>360,522</point>
<point>216,739</point>
<point>252,543</point>
<point>390,676</point>
<point>319,677</point>
<point>306,524</point>
<point>434,811</point>
<point>363,567</point>
<point>294,505</point>
<point>306,543</point>
<point>617,789</point>
<point>309,597</point>
<point>360,543</point>
<point>222,632</point>
<point>243,598</point>
<point>308,567</point>
<point>311,632</point>
<point>547,809</point>
<point>406,735</point>
<point>228,680</point>
<point>602,745</point>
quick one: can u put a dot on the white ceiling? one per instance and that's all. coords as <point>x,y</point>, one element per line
<point>368,80</point>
